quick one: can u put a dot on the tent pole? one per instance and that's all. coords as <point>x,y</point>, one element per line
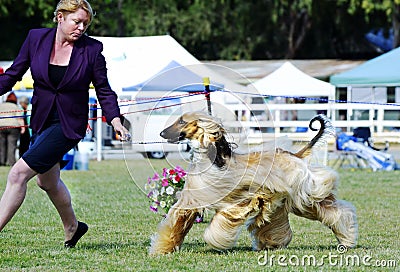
<point>206,82</point>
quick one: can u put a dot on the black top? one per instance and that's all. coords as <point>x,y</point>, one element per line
<point>56,74</point>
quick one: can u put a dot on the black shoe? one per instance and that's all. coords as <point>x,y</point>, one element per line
<point>80,231</point>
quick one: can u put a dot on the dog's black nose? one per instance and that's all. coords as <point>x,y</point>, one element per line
<point>162,134</point>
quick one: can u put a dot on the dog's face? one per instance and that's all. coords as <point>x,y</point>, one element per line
<point>194,126</point>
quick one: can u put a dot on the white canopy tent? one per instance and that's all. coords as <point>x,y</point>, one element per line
<point>134,60</point>
<point>289,81</point>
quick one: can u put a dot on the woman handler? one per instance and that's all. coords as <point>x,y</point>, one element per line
<point>63,62</point>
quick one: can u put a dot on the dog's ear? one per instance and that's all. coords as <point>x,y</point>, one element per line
<point>206,139</point>
<point>219,150</point>
<point>190,129</point>
<point>211,138</point>
<point>212,131</point>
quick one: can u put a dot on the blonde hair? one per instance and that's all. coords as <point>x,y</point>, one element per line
<point>70,6</point>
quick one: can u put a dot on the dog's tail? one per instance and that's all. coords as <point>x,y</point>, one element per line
<point>326,129</point>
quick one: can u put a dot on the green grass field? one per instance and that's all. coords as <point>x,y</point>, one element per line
<point>109,200</point>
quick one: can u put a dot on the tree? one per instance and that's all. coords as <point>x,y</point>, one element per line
<point>390,7</point>
<point>28,14</point>
<point>223,29</point>
<point>294,19</point>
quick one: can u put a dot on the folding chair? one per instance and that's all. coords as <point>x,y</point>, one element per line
<point>347,157</point>
<point>360,152</point>
<point>364,133</point>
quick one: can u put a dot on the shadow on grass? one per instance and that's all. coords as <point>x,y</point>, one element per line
<point>202,247</point>
<point>244,249</point>
<point>114,245</point>
<point>312,247</point>
<point>324,247</point>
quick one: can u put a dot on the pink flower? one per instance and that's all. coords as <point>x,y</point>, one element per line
<point>164,182</point>
<point>154,209</point>
<point>156,176</point>
<point>164,172</point>
<point>180,171</point>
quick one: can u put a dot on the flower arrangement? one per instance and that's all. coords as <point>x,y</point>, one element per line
<point>164,191</point>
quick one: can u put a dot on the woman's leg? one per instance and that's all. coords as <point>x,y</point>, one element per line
<point>58,193</point>
<point>15,191</point>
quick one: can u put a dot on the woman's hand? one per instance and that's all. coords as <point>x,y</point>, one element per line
<point>124,134</point>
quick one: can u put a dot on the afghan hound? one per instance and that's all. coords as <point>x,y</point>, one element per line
<point>257,189</point>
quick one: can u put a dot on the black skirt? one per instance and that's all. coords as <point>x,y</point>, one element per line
<point>47,148</point>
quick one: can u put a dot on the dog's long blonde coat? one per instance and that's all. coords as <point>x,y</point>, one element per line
<point>258,189</point>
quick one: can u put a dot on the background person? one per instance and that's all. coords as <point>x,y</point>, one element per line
<point>25,137</point>
<point>63,62</point>
<point>11,128</point>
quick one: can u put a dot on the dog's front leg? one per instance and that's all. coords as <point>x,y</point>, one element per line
<point>172,230</point>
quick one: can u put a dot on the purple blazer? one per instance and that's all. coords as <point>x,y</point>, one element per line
<point>87,64</point>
